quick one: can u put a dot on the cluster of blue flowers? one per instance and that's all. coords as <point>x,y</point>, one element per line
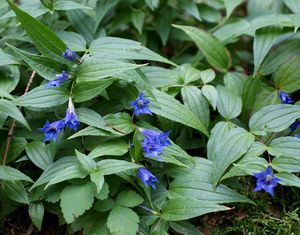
<point>52,129</point>
<point>154,142</point>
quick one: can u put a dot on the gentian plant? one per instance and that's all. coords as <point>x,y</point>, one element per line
<point>148,117</point>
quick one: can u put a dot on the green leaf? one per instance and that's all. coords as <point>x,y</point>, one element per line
<point>210,94</point>
<point>115,147</point>
<point>293,5</point>
<point>111,166</point>
<point>44,66</point>
<point>121,122</point>
<point>104,205</point>
<point>129,198</point>
<point>188,73</point>
<point>250,162</point>
<point>6,59</point>
<point>40,154</point>
<point>84,91</point>
<point>214,51</point>
<point>92,223</point>
<point>153,4</point>
<point>124,49</point>
<point>279,55</point>
<point>185,228</point>
<point>286,163</point>
<point>74,40</point>
<point>15,191</point>
<point>230,5</point>
<point>288,179</point>
<point>46,41</point>
<point>103,194</point>
<point>68,5</point>
<point>235,81</point>
<point>216,136</point>
<point>92,118</point>
<point>11,174</point>
<point>286,76</point>
<point>36,213</point>
<point>86,162</point>
<point>98,179</point>
<point>285,146</point>
<point>229,104</point>
<point>234,144</point>
<point>137,18</point>
<point>90,131</point>
<point>194,100</point>
<point>191,8</point>
<point>263,41</point>
<point>170,108</point>
<point>11,110</point>
<point>196,183</point>
<point>72,195</point>
<point>273,118</point>
<point>69,165</point>
<point>207,75</point>
<point>102,8</point>
<point>83,23</point>
<point>181,209</point>
<point>96,69</point>
<point>126,219</point>
<point>41,97</point>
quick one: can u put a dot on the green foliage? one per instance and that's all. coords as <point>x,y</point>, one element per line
<point>213,73</point>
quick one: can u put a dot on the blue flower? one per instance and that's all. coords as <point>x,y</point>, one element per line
<point>152,149</point>
<point>160,138</point>
<point>285,98</point>
<point>154,143</point>
<point>294,126</point>
<point>69,55</point>
<point>71,119</point>
<point>266,180</point>
<point>140,105</point>
<point>147,177</point>
<point>52,130</point>
<point>60,78</point>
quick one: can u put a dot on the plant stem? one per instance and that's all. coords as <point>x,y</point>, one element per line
<point>13,124</point>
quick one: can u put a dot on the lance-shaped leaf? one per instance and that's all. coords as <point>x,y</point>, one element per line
<point>8,108</point>
<point>229,104</point>
<point>46,41</point>
<point>273,118</point>
<point>195,182</point>
<point>287,75</point>
<point>182,209</point>
<point>124,49</point>
<point>263,41</point>
<point>96,69</point>
<point>285,146</point>
<point>234,144</point>
<point>44,66</point>
<point>168,107</point>
<point>11,174</point>
<point>39,153</point>
<point>214,51</point>
<point>40,97</point>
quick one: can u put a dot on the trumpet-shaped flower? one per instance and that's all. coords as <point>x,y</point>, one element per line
<point>285,98</point>
<point>140,105</point>
<point>69,55</point>
<point>147,177</point>
<point>60,78</point>
<point>52,129</point>
<point>266,180</point>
